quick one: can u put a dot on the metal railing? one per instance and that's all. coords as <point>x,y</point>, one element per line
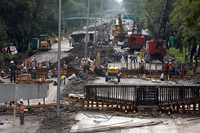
<point>143,94</point>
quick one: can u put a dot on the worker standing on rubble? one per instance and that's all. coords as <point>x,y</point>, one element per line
<point>21,111</point>
<point>63,78</point>
<point>162,76</point>
<point>142,67</point>
<point>118,76</point>
<point>34,64</point>
<point>12,72</point>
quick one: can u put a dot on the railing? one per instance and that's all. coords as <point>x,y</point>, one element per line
<point>143,94</point>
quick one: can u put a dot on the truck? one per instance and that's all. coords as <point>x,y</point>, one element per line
<point>44,42</point>
<point>136,42</point>
<point>155,50</point>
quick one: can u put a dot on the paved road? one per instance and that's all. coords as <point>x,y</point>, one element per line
<point>51,55</point>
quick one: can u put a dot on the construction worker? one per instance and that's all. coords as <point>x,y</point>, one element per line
<point>142,67</point>
<point>194,68</point>
<point>33,74</point>
<point>170,70</point>
<point>118,76</point>
<point>63,77</point>
<point>12,72</point>
<point>162,76</point>
<point>34,62</point>
<point>21,111</point>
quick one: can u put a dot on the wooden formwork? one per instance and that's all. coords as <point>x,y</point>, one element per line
<point>67,72</point>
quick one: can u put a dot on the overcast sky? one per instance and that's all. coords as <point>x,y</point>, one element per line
<point>119,1</point>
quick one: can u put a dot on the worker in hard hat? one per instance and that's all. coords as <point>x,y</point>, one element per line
<point>13,68</point>
<point>21,111</point>
<point>63,77</point>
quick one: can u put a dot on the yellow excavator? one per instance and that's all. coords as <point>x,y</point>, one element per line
<point>118,31</point>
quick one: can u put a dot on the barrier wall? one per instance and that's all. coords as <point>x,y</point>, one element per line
<point>10,92</point>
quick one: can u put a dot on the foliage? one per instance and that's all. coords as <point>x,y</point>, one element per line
<point>26,18</point>
<point>178,55</point>
<point>186,19</point>
<point>3,34</point>
<point>150,12</point>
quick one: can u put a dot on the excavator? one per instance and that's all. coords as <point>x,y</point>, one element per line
<point>118,31</point>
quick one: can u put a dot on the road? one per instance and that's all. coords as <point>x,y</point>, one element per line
<point>51,55</point>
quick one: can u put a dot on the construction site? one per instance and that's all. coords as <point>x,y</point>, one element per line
<point>110,76</point>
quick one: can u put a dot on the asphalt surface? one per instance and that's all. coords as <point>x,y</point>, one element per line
<point>51,55</point>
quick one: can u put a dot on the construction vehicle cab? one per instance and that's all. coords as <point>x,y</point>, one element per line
<point>112,73</point>
<point>136,41</point>
<point>155,50</point>
<point>45,42</point>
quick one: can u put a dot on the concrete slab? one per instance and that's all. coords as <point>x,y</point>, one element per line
<point>96,121</point>
<point>136,81</point>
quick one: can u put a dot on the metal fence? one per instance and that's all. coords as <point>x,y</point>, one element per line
<point>143,94</point>
<point>9,92</point>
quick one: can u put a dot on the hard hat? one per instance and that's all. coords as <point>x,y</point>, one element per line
<point>11,61</point>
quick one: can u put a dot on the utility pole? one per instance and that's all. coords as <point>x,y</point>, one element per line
<point>58,58</point>
<point>102,28</point>
<point>95,26</point>
<point>87,30</point>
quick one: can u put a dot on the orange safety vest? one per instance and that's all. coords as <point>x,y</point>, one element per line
<point>21,108</point>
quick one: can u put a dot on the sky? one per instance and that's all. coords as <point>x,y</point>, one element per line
<point>119,1</point>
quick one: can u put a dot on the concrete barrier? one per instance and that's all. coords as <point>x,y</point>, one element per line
<point>7,92</point>
<point>10,92</point>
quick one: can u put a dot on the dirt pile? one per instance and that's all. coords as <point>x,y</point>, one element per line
<point>53,124</point>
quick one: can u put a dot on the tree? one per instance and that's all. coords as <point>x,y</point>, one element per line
<point>186,20</point>
<point>3,34</point>
<point>25,18</point>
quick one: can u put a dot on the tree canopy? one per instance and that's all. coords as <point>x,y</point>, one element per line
<point>20,20</point>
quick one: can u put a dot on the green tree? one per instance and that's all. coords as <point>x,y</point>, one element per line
<point>25,18</point>
<point>3,34</point>
<point>186,20</point>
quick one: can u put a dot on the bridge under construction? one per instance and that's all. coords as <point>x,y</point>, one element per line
<point>132,98</point>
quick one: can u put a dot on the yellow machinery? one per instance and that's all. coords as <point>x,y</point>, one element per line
<point>112,73</point>
<point>118,30</point>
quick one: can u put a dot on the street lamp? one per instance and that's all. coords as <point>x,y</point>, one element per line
<point>58,58</point>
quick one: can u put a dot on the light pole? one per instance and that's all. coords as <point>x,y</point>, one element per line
<point>87,30</point>
<point>95,26</point>
<point>58,58</point>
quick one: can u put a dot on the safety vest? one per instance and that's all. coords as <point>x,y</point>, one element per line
<point>21,108</point>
